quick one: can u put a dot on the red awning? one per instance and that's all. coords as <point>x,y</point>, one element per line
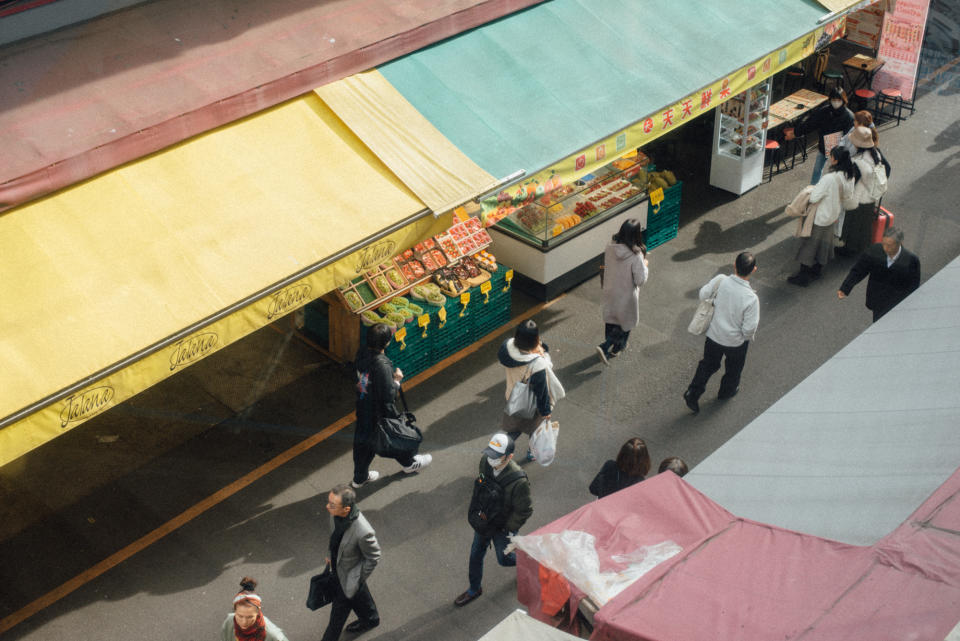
<point>87,98</point>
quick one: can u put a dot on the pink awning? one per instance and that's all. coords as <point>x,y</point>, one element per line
<point>746,581</point>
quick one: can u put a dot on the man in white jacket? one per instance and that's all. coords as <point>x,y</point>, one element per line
<point>736,314</point>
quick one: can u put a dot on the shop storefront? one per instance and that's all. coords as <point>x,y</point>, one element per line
<point>119,282</point>
<point>592,95</point>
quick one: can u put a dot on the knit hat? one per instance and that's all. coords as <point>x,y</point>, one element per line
<point>861,137</point>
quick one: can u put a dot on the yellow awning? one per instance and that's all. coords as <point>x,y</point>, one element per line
<point>423,158</point>
<point>118,282</point>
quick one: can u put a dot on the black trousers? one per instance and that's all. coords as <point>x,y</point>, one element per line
<point>363,454</point>
<point>361,603</point>
<point>713,352</point>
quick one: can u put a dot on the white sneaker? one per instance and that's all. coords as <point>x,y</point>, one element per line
<point>372,475</point>
<point>603,355</point>
<point>420,461</point>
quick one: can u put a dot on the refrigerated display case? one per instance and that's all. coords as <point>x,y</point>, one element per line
<point>739,137</point>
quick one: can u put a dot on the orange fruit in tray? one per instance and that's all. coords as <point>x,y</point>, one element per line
<point>557,230</point>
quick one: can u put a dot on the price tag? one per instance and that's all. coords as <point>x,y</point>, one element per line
<point>485,290</point>
<point>509,278</point>
<point>423,320</point>
<point>464,300</point>
<point>656,196</point>
<point>400,335</point>
<point>442,315</point>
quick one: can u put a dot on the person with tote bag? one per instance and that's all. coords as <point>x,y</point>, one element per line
<point>532,387</point>
<point>625,269</point>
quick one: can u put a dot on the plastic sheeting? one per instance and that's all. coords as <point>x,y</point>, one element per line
<point>746,581</point>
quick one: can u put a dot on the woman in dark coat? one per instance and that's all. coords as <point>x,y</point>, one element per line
<point>831,118</point>
<point>377,385</point>
<point>631,466</point>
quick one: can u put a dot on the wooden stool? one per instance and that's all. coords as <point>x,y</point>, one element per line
<point>773,156</point>
<point>864,96</point>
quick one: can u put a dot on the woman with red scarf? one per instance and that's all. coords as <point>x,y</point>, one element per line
<point>247,622</point>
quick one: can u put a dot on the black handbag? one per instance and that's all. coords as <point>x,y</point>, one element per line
<point>397,436</point>
<point>322,589</point>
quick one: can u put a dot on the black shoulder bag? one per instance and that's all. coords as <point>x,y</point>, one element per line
<point>398,436</point>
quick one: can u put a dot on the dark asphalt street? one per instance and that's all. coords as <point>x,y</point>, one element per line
<point>88,495</point>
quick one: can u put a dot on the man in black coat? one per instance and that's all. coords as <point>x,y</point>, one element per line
<point>893,273</point>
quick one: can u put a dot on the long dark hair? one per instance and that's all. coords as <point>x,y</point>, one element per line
<point>634,459</point>
<point>844,164</point>
<point>631,235</point>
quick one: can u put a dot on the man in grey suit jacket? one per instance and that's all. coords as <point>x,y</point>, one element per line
<point>354,552</point>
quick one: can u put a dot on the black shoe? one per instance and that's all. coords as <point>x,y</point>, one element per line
<point>845,252</point>
<point>360,625</point>
<point>727,397</point>
<point>467,597</point>
<point>800,279</point>
<point>815,271</point>
<point>691,402</point>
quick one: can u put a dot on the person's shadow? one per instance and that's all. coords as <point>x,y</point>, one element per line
<point>711,238</point>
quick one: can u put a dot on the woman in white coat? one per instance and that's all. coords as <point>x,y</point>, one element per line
<point>858,223</point>
<point>835,186</point>
<point>625,269</point>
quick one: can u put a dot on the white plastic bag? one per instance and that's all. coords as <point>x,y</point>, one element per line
<point>573,554</point>
<point>543,442</point>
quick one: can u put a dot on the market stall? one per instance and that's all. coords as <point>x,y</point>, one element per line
<point>549,123</point>
<point>659,561</point>
<point>438,296</point>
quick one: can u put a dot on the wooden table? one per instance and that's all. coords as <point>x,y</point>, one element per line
<point>788,110</point>
<point>859,71</point>
<point>793,106</point>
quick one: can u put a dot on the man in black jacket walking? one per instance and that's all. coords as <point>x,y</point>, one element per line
<point>497,466</point>
<point>893,273</point>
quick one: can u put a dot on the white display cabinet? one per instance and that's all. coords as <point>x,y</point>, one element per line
<point>739,137</point>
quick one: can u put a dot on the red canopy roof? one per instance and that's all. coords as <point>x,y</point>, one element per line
<point>741,580</point>
<point>87,98</point>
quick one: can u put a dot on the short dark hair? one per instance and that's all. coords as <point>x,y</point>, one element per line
<point>379,336</point>
<point>673,463</point>
<point>837,92</point>
<point>895,233</point>
<point>631,235</point>
<point>634,459</point>
<point>527,336</point>
<point>745,263</point>
<point>347,495</point>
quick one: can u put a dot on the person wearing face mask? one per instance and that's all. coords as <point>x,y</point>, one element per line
<point>832,118</point>
<point>504,508</point>
<point>246,622</point>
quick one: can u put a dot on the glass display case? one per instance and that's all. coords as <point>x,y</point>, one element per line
<point>739,138</point>
<point>565,211</point>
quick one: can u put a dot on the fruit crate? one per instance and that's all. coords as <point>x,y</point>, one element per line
<point>661,237</point>
<point>456,333</point>
<point>497,311</point>
<point>668,213</point>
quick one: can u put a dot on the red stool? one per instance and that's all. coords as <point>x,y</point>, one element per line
<point>773,156</point>
<point>864,96</point>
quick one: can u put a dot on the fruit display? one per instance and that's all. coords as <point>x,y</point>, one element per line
<point>448,281</point>
<point>486,260</point>
<point>448,245</point>
<point>396,318</point>
<point>369,318</point>
<point>354,302</point>
<point>533,218</point>
<point>584,209</point>
<point>396,278</point>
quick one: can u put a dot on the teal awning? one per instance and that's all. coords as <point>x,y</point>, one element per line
<point>537,86</point>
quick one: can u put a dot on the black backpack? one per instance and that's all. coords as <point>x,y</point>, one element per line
<point>486,504</point>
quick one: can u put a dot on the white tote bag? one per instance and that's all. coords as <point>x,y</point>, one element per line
<point>543,442</point>
<point>704,314</point>
<point>522,402</point>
